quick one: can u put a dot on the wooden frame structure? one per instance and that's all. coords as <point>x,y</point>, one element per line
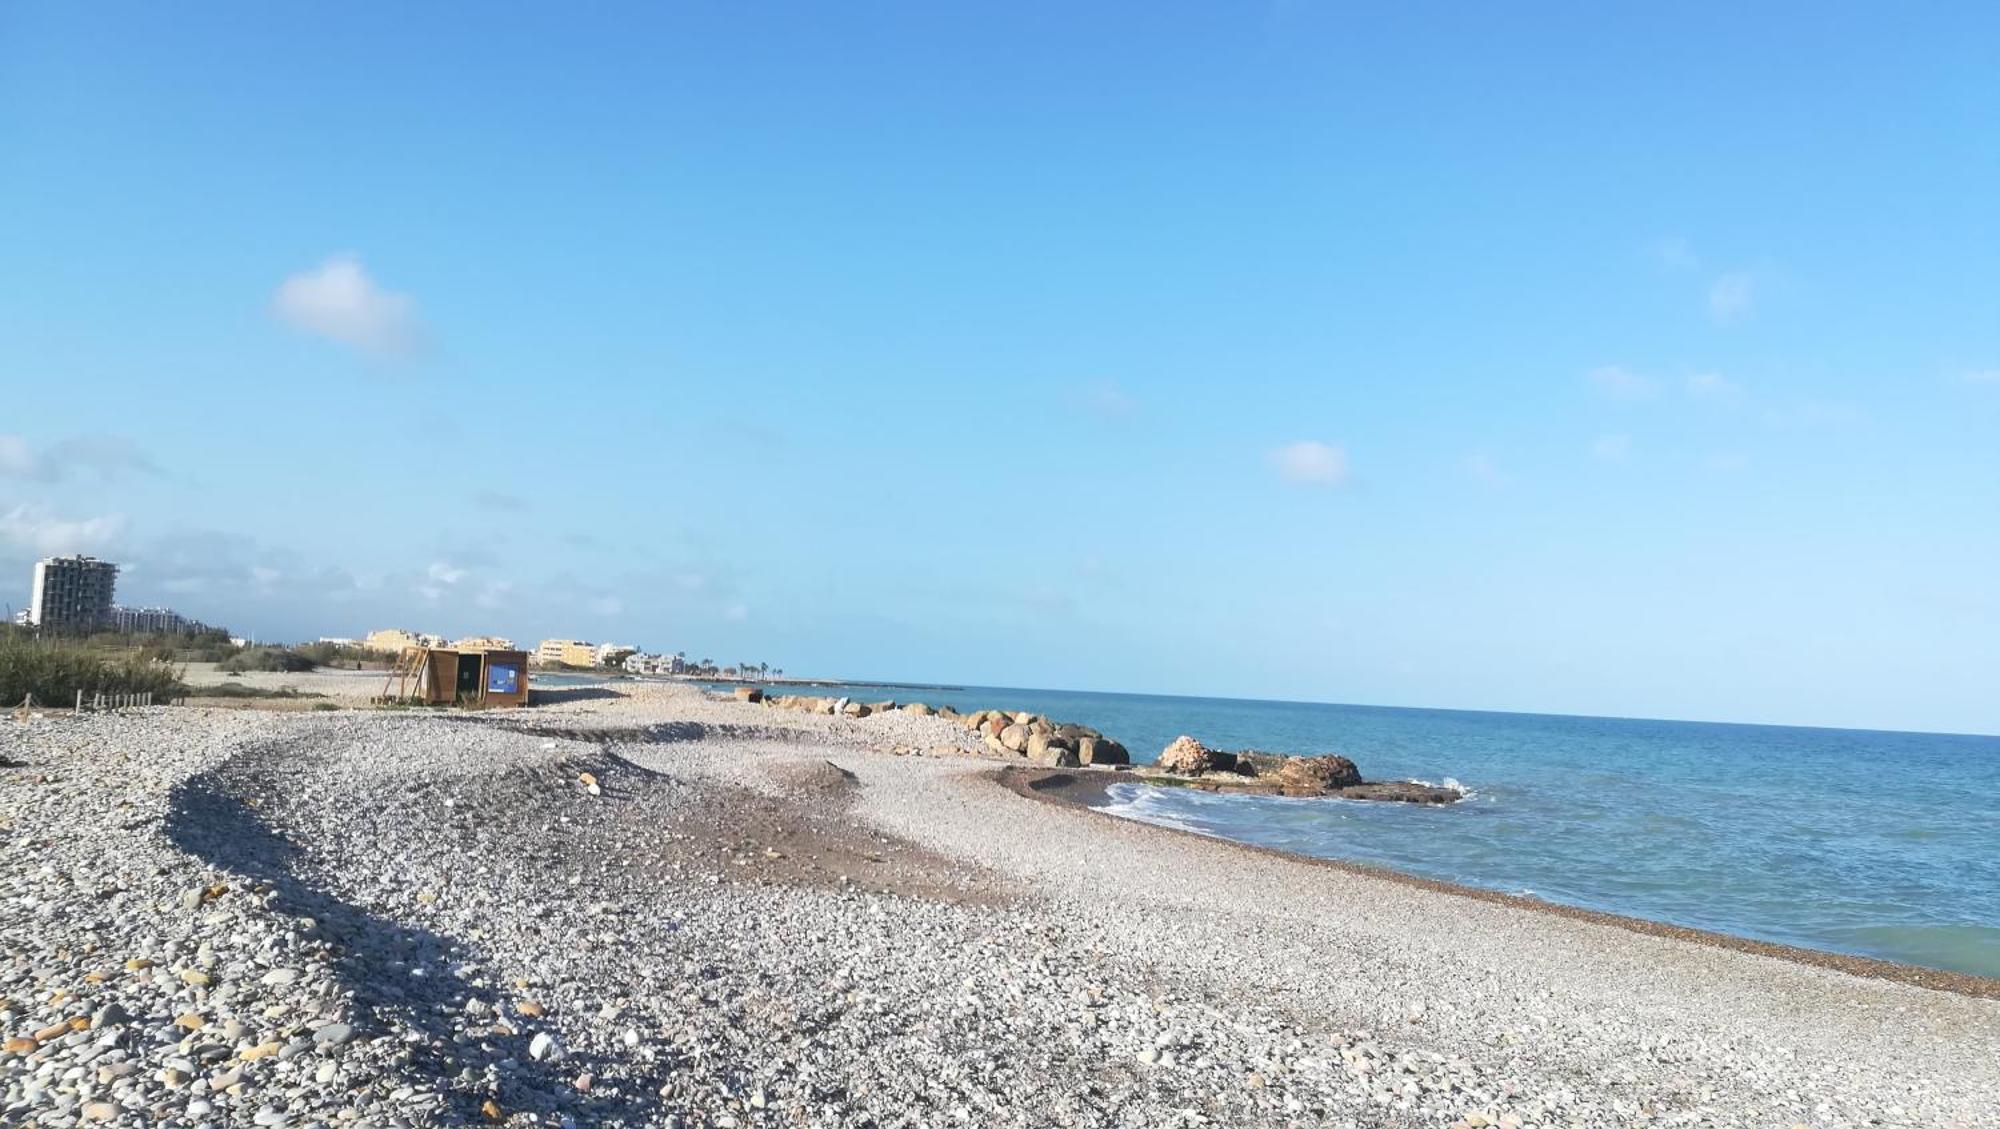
<point>445,676</point>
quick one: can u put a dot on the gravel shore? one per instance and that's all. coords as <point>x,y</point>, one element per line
<point>639,906</point>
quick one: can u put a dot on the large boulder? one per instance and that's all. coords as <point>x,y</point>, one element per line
<point>1186,757</point>
<point>1051,751</point>
<point>917,709</point>
<point>749,694</point>
<point>1326,772</point>
<point>1015,737</point>
<point>1101,750</point>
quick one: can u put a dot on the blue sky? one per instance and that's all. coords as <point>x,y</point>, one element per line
<point>1555,358</point>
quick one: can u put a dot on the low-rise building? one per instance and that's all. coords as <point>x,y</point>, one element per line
<point>155,621</point>
<point>566,652</point>
<point>395,640</point>
<point>483,643</point>
<point>642,663</point>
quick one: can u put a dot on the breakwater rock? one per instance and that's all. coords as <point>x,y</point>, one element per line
<point>1190,763</point>
<point>1018,735</point>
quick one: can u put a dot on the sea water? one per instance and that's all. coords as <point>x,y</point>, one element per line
<point>1873,843</point>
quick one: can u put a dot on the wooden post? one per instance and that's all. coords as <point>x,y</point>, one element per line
<point>79,700</point>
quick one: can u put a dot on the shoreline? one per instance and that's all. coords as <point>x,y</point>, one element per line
<point>1082,790</point>
<point>782,917</point>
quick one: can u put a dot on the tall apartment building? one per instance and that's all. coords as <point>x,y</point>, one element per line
<point>72,594</point>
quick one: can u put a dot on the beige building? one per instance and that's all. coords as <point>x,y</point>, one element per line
<point>395,640</point>
<point>483,643</point>
<point>568,652</point>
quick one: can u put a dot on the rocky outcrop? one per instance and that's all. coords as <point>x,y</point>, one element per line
<point>1015,735</point>
<point>1317,772</point>
<point>1188,761</point>
<point>1186,757</point>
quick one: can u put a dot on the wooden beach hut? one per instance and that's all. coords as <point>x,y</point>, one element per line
<point>447,676</point>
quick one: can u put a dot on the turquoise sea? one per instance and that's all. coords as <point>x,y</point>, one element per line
<point>1874,843</point>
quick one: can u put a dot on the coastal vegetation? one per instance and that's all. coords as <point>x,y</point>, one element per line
<point>54,671</point>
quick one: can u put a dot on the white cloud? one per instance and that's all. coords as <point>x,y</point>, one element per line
<point>1714,386</point>
<point>444,573</point>
<point>1611,448</point>
<point>1106,398</point>
<point>1731,297</point>
<point>17,458</point>
<point>106,456</point>
<point>1310,463</point>
<point>340,302</point>
<point>1482,468</point>
<point>30,528</point>
<point>1675,253</point>
<point>1621,383</point>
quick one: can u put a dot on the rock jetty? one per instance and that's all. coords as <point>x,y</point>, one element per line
<point>1189,762</point>
<point>1008,735</point>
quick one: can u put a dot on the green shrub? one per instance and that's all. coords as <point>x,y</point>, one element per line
<point>276,659</point>
<point>54,671</point>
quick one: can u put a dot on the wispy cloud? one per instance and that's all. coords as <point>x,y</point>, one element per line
<point>1620,383</point>
<point>499,500</point>
<point>339,301</point>
<point>32,529</point>
<point>1309,462</point>
<point>1675,253</point>
<point>1980,376</point>
<point>1484,470</point>
<point>1714,387</point>
<point>104,456</point>
<point>1732,297</point>
<point>1611,448</point>
<point>1105,398</point>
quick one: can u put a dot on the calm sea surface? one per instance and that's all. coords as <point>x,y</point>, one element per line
<point>1881,844</point>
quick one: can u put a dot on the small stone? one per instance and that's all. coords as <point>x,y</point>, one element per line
<point>195,977</point>
<point>530,1008</point>
<point>261,1050</point>
<point>1149,1056</point>
<point>110,1015</point>
<point>99,1111</point>
<point>544,1048</point>
<point>190,1021</point>
<point>333,1035</point>
<point>491,1109</point>
<point>281,976</point>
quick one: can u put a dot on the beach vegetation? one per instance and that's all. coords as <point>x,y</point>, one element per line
<point>53,671</point>
<point>282,660</point>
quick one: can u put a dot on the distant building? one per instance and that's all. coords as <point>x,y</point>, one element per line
<point>643,663</point>
<point>72,595</point>
<point>568,652</point>
<point>338,641</point>
<point>607,651</point>
<point>395,640</point>
<point>483,643</point>
<point>154,621</point>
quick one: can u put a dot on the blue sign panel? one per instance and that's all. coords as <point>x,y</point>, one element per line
<point>503,679</point>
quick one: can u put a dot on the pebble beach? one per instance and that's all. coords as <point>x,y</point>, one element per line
<point>636,905</point>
